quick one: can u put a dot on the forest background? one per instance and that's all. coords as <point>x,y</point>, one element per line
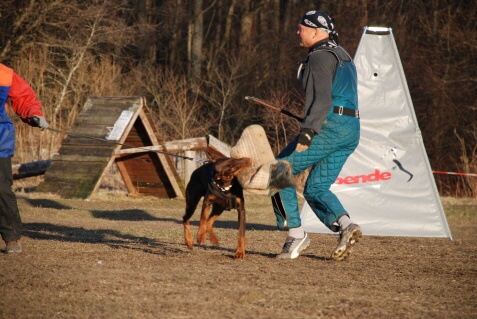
<point>195,61</point>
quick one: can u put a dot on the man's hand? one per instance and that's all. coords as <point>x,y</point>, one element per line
<point>39,121</point>
<point>304,139</point>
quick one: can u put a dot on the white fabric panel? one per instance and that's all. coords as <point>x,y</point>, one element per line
<point>378,195</point>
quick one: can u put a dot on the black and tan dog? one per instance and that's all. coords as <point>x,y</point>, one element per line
<point>217,183</point>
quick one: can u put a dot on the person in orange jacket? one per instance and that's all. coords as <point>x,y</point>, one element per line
<point>26,105</point>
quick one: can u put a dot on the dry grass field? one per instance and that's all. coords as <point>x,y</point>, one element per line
<point>114,256</point>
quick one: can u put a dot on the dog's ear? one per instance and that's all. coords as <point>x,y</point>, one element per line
<point>212,157</point>
<point>230,167</point>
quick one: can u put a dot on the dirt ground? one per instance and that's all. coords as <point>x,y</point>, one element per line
<point>121,257</point>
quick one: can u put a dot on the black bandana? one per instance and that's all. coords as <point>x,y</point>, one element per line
<point>320,20</point>
<point>317,19</point>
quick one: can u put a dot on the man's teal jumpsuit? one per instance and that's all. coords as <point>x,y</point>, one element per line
<point>329,80</point>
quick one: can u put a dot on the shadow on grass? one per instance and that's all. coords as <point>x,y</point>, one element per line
<point>112,238</point>
<point>231,253</point>
<point>138,215</point>
<point>116,239</point>
<point>234,225</point>
<point>44,203</point>
<point>129,215</point>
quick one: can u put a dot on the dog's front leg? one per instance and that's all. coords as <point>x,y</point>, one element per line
<point>240,253</point>
<point>217,210</point>
<point>201,234</point>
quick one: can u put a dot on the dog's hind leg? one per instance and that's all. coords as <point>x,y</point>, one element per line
<point>192,199</point>
<point>188,235</point>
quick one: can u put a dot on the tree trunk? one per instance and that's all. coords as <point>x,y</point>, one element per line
<point>196,37</point>
<point>246,27</point>
<point>228,23</point>
<point>176,36</point>
<point>276,16</point>
<point>146,48</point>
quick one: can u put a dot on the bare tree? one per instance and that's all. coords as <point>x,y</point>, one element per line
<point>20,26</point>
<point>222,87</point>
<point>179,111</point>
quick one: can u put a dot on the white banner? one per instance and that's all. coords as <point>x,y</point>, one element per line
<point>387,185</point>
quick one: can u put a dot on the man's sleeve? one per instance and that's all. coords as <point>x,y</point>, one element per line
<point>322,68</point>
<point>24,101</point>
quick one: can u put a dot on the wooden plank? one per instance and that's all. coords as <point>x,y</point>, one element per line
<point>112,106</point>
<point>126,177</point>
<point>171,176</point>
<point>150,177</point>
<point>88,150</point>
<point>192,144</point>
<point>100,114</point>
<point>124,101</point>
<point>217,146</point>
<point>80,158</point>
<point>148,128</point>
<point>73,179</point>
<point>73,170</point>
<point>142,162</point>
<point>90,130</point>
<point>104,117</point>
<point>135,169</point>
<point>62,188</point>
<point>143,184</point>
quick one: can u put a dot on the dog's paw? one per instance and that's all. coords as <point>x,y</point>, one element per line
<point>201,239</point>
<point>189,245</point>
<point>213,239</point>
<point>239,254</point>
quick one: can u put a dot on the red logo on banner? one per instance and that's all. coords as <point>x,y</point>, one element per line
<point>373,177</point>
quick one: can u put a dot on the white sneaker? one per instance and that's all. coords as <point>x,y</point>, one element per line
<point>13,247</point>
<point>294,246</point>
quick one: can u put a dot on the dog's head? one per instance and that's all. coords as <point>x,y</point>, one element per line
<point>225,169</point>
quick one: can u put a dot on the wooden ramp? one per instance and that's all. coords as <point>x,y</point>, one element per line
<point>85,154</point>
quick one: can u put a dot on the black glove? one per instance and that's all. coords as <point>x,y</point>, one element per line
<point>39,121</point>
<point>305,137</point>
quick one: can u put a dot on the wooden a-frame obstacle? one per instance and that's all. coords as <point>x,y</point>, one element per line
<point>94,144</point>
